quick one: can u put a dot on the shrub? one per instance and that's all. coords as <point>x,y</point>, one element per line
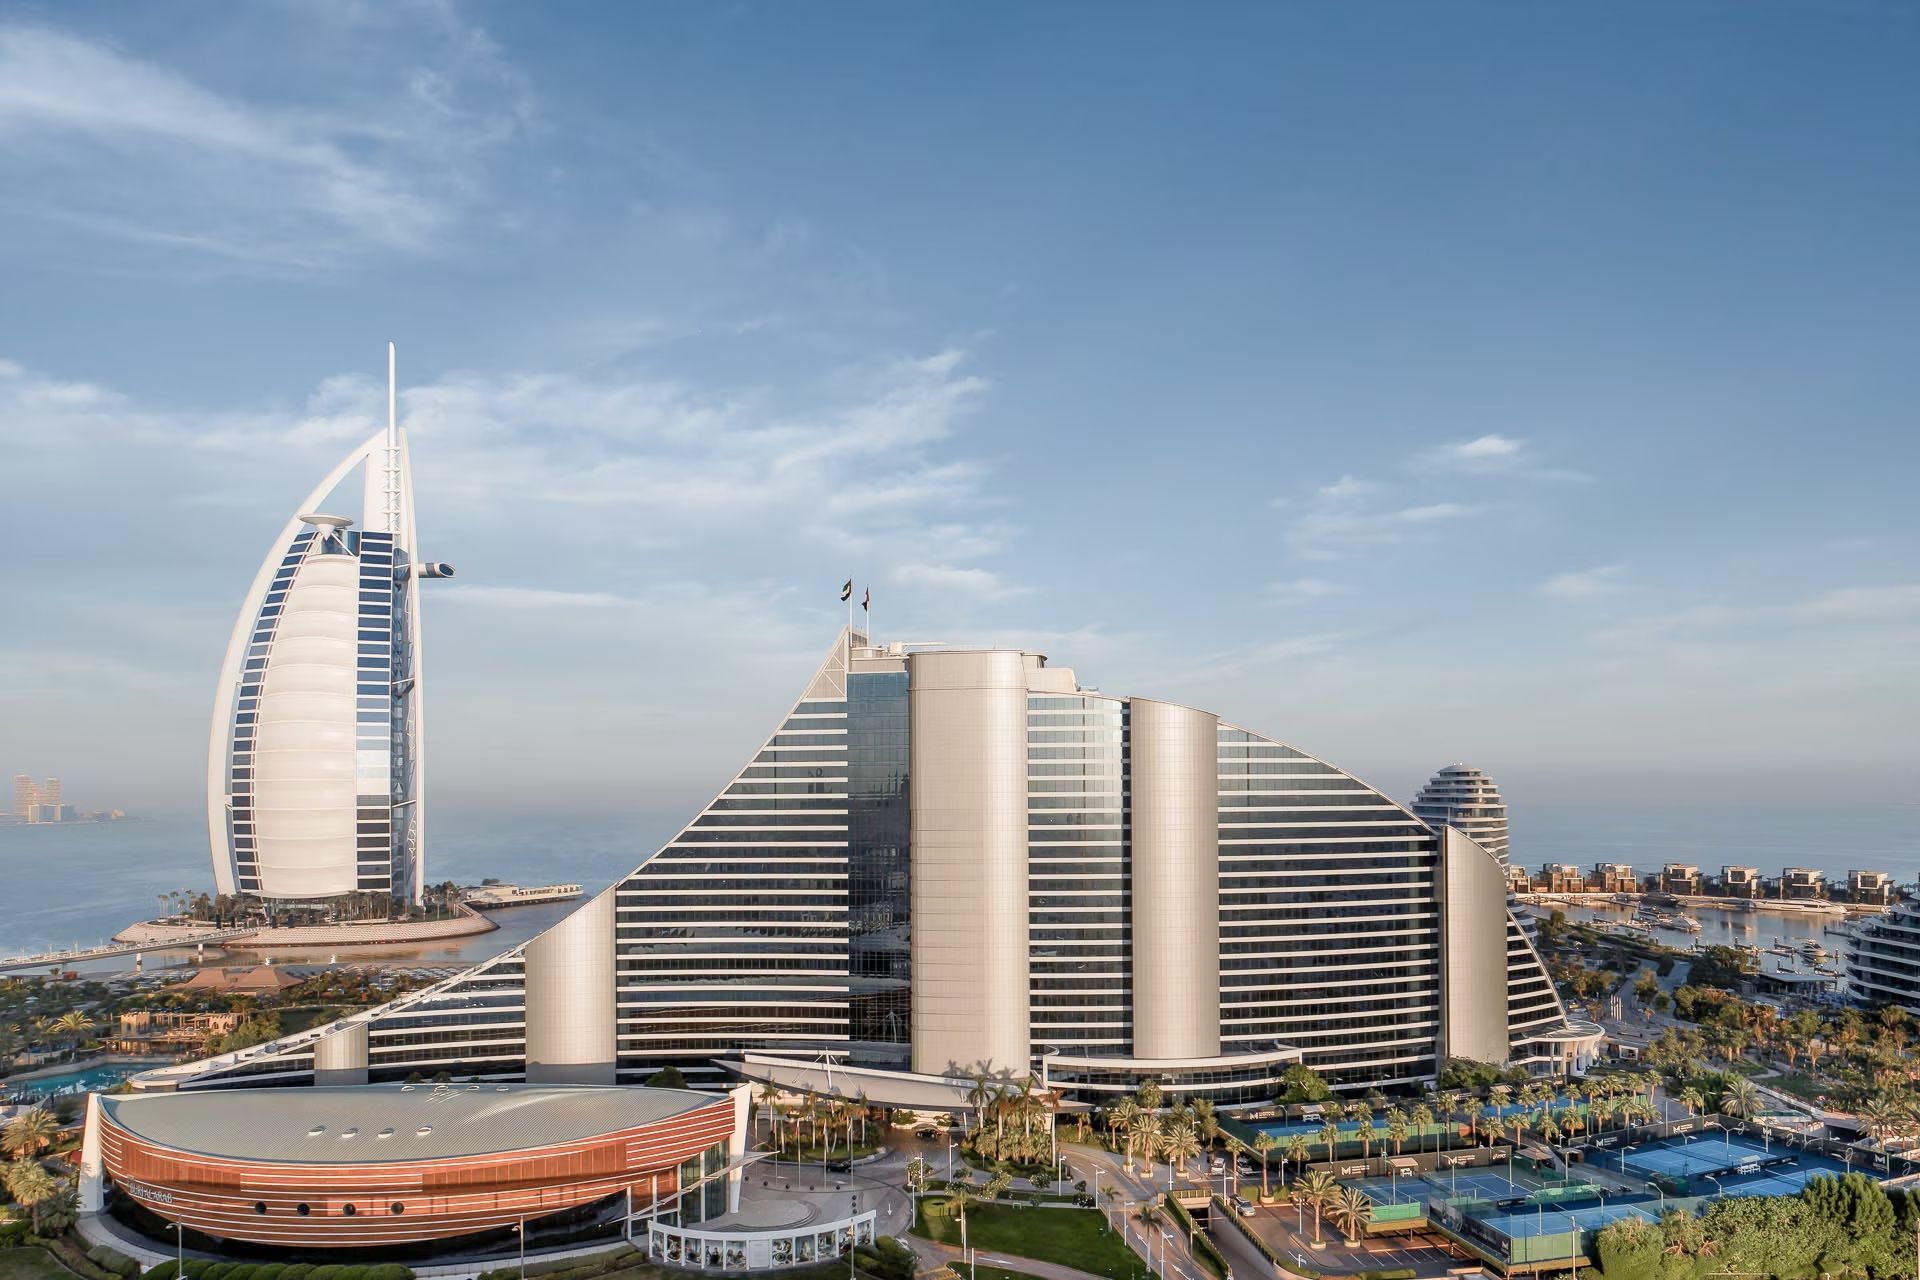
<point>887,1259</point>
<point>12,1234</point>
<point>111,1259</point>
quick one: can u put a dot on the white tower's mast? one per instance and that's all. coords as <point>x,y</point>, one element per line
<point>391,517</point>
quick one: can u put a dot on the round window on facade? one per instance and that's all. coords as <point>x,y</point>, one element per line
<point>302,1210</point>
<point>259,1206</point>
<point>348,1209</point>
<point>396,1208</point>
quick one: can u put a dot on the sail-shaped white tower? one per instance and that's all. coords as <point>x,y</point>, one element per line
<point>315,768</point>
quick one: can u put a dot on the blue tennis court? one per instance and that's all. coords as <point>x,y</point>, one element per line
<point>1522,1223</point>
<point>1680,1160</point>
<point>1482,1184</point>
<point>1403,1190</point>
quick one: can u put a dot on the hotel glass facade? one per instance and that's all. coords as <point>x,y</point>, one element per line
<point>1883,958</point>
<point>944,861</point>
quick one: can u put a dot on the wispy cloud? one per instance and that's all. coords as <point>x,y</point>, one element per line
<point>487,597</point>
<point>1487,450</point>
<point>1295,589</point>
<point>1338,525</point>
<point>1491,454</point>
<point>936,577</point>
<point>1348,487</point>
<point>1839,609</point>
<point>115,146</point>
<point>608,467</point>
<point>1864,604</point>
<point>1583,584</point>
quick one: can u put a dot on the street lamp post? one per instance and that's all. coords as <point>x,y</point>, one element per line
<point>180,1251</point>
<point>520,1229</point>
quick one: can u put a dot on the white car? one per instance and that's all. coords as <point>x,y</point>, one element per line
<point>1218,1166</point>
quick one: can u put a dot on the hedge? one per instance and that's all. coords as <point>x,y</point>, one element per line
<point>1203,1248</point>
<point>113,1260</point>
<point>213,1269</point>
<point>571,1268</point>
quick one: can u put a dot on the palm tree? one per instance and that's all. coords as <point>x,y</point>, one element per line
<point>1149,1130</point>
<point>1499,1095</point>
<point>1423,1121</point>
<point>1122,1118</point>
<point>54,1214</point>
<point>1450,1107</point>
<point>1397,1128</point>
<point>1318,1189</point>
<point>1368,1135</point>
<point>1330,1134</point>
<point>1263,1143</point>
<point>28,1183</point>
<point>1351,1211</point>
<point>1549,1126</point>
<point>1516,1127</point>
<point>1742,1100</point>
<point>72,1026</point>
<point>1690,1098</point>
<point>1297,1150</point>
<point>30,1132</point>
<point>1179,1143</point>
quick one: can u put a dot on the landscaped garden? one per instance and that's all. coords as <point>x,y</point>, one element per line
<point>1071,1237</point>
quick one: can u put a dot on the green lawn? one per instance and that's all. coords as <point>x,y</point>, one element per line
<point>1802,1085</point>
<point>30,1264</point>
<point>1071,1237</point>
<point>987,1273</point>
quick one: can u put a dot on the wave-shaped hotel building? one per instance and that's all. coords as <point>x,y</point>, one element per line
<point>948,861</point>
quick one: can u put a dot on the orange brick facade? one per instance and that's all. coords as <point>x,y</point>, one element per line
<point>372,1203</point>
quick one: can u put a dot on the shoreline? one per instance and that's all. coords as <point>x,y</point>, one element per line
<point>1788,907</point>
<point>379,933</point>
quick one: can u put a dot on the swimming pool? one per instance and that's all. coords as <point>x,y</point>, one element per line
<point>103,1075</point>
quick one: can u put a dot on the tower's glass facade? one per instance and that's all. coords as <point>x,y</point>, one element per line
<point>1077,871</point>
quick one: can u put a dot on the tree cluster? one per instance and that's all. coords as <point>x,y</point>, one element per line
<point>1845,1226</point>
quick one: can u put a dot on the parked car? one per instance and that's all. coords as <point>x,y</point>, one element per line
<point>1219,1166</point>
<point>1243,1206</point>
<point>839,1166</point>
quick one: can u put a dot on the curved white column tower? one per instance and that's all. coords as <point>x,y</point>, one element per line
<point>314,761</point>
<point>1176,880</point>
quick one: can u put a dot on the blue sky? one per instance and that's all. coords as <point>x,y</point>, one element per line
<point>1521,384</point>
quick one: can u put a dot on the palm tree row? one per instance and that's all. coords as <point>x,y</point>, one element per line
<point>827,1119</point>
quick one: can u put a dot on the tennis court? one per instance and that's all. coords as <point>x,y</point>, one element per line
<point>1521,1224</point>
<point>1483,1184</point>
<point>1389,1190</point>
<point>1683,1161</point>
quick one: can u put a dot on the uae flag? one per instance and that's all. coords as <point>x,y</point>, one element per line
<point>846,592</point>
<point>866,600</point>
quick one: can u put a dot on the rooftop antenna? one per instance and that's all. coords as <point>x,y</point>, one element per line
<point>391,487</point>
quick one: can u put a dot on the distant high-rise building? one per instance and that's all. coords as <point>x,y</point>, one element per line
<point>1464,797</point>
<point>38,802</point>
<point>315,780</point>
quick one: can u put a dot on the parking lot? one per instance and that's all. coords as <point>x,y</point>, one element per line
<point>1284,1230</point>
